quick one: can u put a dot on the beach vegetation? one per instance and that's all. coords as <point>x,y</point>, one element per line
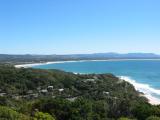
<point>54,94</point>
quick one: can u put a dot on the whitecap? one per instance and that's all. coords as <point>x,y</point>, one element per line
<point>145,88</point>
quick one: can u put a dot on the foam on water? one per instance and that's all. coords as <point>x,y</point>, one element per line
<point>143,74</point>
<point>145,88</point>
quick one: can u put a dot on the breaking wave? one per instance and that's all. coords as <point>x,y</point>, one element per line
<point>145,88</point>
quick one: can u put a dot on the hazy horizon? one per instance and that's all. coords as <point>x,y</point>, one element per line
<point>82,53</point>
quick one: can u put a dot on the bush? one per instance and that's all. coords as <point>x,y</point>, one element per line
<point>153,118</point>
<point>43,116</point>
<point>9,114</point>
<point>124,118</point>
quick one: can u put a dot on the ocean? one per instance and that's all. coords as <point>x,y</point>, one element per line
<point>143,74</point>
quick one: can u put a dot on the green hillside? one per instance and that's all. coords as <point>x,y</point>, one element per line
<point>52,94</point>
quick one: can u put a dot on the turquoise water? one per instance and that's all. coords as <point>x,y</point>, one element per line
<point>144,74</point>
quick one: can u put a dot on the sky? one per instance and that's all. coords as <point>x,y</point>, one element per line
<point>79,26</point>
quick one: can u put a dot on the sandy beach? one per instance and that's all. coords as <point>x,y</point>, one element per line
<point>45,63</point>
<point>144,88</point>
<point>54,62</point>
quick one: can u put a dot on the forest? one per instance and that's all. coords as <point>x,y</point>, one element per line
<point>36,94</point>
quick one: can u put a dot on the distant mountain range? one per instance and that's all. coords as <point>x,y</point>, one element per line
<point>28,58</point>
<point>116,56</point>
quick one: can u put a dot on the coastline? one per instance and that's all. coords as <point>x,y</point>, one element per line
<point>144,88</point>
<point>45,63</point>
<point>55,62</point>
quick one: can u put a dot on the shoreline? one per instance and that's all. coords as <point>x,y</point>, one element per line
<point>144,88</point>
<point>70,61</point>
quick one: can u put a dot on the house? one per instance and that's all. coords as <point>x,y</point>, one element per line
<point>72,99</point>
<point>34,95</point>
<point>60,90</point>
<point>44,91</point>
<point>90,80</point>
<point>38,88</point>
<point>95,77</point>
<point>106,93</point>
<point>2,94</point>
<point>50,87</point>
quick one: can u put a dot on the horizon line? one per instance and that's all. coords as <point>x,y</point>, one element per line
<point>83,53</point>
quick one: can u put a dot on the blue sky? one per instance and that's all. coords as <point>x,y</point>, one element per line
<point>79,26</point>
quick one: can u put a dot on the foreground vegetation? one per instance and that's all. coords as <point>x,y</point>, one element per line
<point>34,94</point>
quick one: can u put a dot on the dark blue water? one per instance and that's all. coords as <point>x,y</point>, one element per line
<point>141,71</point>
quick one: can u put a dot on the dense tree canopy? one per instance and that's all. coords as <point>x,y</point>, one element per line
<point>52,94</point>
